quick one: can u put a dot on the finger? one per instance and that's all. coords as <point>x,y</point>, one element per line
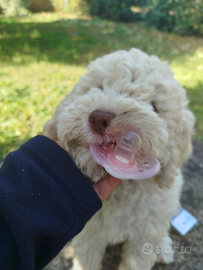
<point>60,144</point>
<point>106,186</point>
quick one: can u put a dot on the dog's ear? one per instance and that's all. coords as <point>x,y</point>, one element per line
<point>50,129</point>
<point>179,149</point>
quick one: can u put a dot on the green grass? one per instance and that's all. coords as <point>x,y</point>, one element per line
<point>42,57</point>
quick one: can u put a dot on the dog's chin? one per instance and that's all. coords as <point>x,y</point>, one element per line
<point>85,162</point>
<point>94,174</point>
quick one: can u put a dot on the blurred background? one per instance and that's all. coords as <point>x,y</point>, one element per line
<point>46,45</point>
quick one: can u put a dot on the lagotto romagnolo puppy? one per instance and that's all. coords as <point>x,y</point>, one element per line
<point>137,92</point>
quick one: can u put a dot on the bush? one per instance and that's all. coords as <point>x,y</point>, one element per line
<point>183,17</point>
<point>118,10</point>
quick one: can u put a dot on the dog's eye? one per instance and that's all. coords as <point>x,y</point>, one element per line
<point>154,107</point>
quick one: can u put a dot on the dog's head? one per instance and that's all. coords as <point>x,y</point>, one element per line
<point>125,90</point>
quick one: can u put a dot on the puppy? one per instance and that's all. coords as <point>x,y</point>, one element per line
<point>127,90</point>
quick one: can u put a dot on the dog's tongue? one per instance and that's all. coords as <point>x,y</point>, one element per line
<point>121,160</point>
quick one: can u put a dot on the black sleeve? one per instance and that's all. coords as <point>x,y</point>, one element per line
<point>44,202</point>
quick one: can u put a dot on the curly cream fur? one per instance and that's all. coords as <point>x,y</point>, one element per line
<point>128,84</point>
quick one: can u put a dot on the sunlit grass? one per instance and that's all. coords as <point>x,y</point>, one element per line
<point>29,95</point>
<point>189,71</point>
<point>42,57</point>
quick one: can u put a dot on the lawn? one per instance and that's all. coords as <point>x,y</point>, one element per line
<point>42,57</point>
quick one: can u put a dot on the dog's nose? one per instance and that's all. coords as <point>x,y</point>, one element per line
<point>100,121</point>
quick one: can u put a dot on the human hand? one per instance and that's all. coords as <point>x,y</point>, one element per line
<point>105,186</point>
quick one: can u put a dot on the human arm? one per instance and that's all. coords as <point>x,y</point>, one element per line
<point>44,202</point>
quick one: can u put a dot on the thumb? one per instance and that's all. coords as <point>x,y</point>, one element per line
<point>106,186</point>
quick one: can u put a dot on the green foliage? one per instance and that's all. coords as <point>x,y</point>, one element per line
<point>14,7</point>
<point>117,10</point>
<point>184,17</point>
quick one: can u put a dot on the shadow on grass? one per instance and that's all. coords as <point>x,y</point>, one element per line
<point>80,41</point>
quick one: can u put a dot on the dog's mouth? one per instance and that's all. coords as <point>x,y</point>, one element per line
<point>108,145</point>
<point>120,157</point>
<point>122,148</point>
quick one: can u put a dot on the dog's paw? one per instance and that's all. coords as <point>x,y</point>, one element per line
<point>122,267</point>
<point>76,265</point>
<point>165,253</point>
